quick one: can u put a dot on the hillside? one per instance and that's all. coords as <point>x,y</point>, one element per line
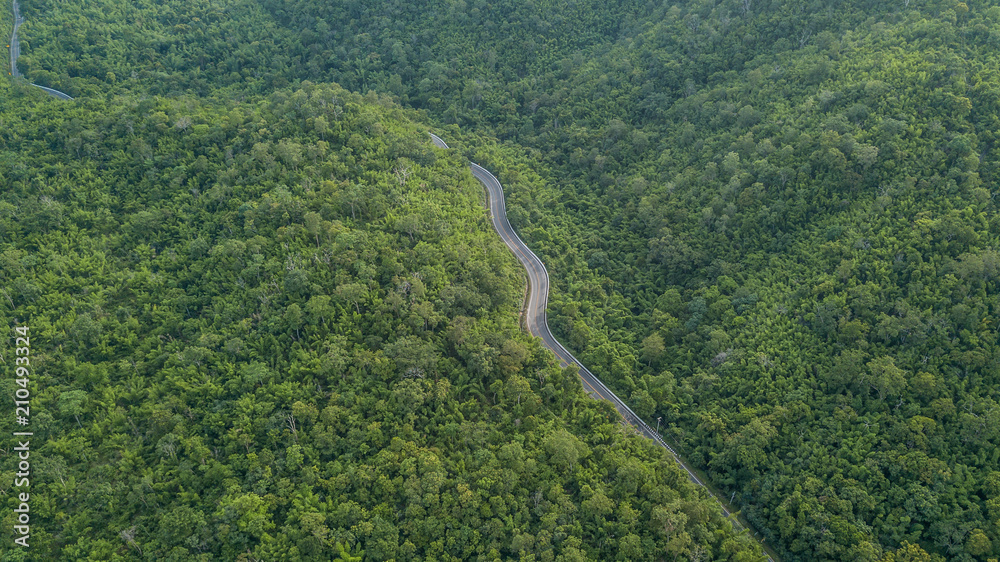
<point>283,329</point>
<point>772,224</point>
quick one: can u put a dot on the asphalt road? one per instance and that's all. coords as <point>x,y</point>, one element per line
<point>15,52</point>
<point>54,93</point>
<point>437,141</point>
<point>15,44</point>
<point>535,320</point>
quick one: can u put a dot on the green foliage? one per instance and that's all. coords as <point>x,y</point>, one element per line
<point>771,224</point>
<point>255,338</point>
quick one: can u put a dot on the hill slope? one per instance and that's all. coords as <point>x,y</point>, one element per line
<point>774,224</point>
<point>283,329</point>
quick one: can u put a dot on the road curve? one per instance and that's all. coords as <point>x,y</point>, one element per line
<point>15,52</point>
<point>536,321</point>
<point>437,141</point>
<point>53,92</point>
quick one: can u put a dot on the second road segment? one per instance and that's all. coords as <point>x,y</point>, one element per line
<point>15,52</point>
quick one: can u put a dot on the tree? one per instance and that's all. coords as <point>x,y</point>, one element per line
<point>318,309</point>
<point>907,553</point>
<point>72,403</point>
<point>345,554</point>
<point>293,318</point>
<point>565,449</point>
<point>652,348</point>
<point>885,377</point>
<point>353,293</point>
<point>313,221</point>
<point>978,543</point>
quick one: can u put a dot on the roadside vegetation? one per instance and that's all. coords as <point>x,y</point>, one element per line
<point>771,224</point>
<point>284,329</point>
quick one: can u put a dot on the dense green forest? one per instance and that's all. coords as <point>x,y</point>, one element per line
<point>283,330</point>
<point>771,223</point>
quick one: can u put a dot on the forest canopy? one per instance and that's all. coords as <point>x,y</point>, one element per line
<point>772,224</point>
<point>284,329</point>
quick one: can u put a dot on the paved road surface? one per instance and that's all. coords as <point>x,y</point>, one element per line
<point>15,52</point>
<point>15,44</point>
<point>536,321</point>
<point>437,141</point>
<point>54,93</point>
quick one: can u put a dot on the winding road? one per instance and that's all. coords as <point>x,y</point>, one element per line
<point>536,322</point>
<point>15,44</point>
<point>15,52</point>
